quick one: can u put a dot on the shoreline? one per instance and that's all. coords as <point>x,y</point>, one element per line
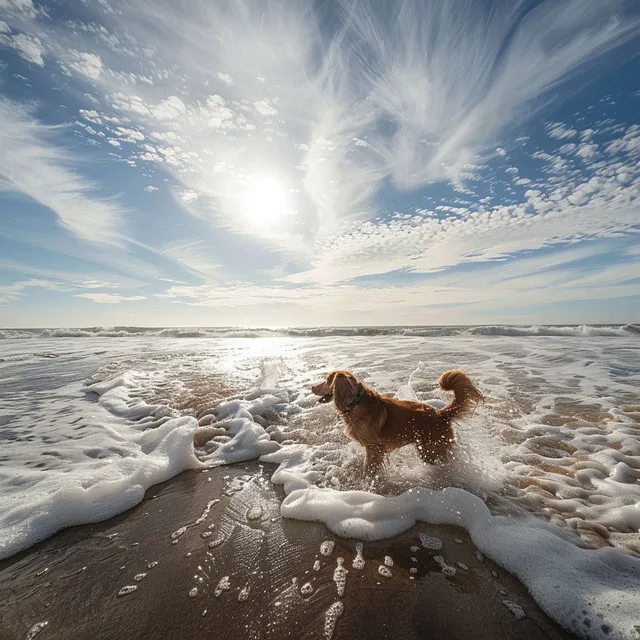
<point>71,581</point>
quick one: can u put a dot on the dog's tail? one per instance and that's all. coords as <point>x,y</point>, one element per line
<point>466,396</point>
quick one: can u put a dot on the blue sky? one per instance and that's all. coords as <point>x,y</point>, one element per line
<point>259,163</point>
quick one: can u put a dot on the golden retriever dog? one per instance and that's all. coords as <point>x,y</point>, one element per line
<point>381,424</point>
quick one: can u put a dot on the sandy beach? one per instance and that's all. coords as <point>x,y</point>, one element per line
<point>72,580</point>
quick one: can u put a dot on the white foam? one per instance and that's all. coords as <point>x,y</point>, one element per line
<point>558,433</point>
<point>358,561</point>
<point>326,548</point>
<point>36,629</point>
<point>223,585</point>
<point>430,542</point>
<point>515,609</point>
<point>340,576</point>
<point>96,474</point>
<point>447,569</point>
<point>331,618</point>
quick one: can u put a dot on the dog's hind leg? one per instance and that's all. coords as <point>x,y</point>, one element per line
<point>432,453</point>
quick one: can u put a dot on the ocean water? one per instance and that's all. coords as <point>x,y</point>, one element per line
<point>545,476</point>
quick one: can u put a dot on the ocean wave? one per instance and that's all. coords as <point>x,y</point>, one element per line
<point>578,331</point>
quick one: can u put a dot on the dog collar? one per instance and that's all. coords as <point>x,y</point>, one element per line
<point>354,403</point>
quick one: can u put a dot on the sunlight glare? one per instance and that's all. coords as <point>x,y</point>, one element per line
<point>265,201</point>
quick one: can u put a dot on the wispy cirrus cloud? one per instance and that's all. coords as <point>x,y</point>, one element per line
<point>319,129</point>
<point>362,92</point>
<point>31,164</point>
<point>13,291</point>
<point>109,298</point>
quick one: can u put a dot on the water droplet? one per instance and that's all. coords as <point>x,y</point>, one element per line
<point>139,576</point>
<point>194,592</point>
<point>128,589</point>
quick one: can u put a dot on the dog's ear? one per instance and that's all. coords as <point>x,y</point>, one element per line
<point>345,390</point>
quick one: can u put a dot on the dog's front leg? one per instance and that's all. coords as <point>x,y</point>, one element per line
<point>373,461</point>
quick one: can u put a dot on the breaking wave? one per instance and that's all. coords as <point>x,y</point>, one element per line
<point>578,331</point>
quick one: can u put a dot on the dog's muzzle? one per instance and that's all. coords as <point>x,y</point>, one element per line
<point>326,398</point>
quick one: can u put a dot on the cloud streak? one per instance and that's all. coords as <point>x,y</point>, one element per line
<point>331,101</point>
<point>33,166</point>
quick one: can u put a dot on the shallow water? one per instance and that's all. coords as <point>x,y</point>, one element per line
<point>558,436</point>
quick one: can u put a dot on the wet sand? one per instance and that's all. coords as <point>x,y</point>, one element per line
<point>72,581</point>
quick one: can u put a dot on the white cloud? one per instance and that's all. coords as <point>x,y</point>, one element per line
<point>400,95</point>
<point>95,284</point>
<point>29,47</point>
<point>192,255</point>
<point>186,195</point>
<point>129,135</point>
<point>439,93</point>
<point>150,188</point>
<point>225,77</point>
<point>23,8</point>
<point>91,115</point>
<point>560,131</point>
<point>32,165</point>
<point>83,63</point>
<point>10,293</point>
<point>587,151</point>
<point>109,298</point>
<point>265,108</point>
<point>4,27</point>
<point>531,281</point>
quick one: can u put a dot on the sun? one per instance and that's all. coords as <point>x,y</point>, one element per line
<point>265,201</point>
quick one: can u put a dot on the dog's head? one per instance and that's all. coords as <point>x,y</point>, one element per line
<point>342,387</point>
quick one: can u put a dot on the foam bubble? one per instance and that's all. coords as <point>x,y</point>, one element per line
<point>430,542</point>
<point>340,576</point>
<point>358,562</point>
<point>36,629</point>
<point>223,585</point>
<point>331,618</point>
<point>326,548</point>
<point>515,609</point>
